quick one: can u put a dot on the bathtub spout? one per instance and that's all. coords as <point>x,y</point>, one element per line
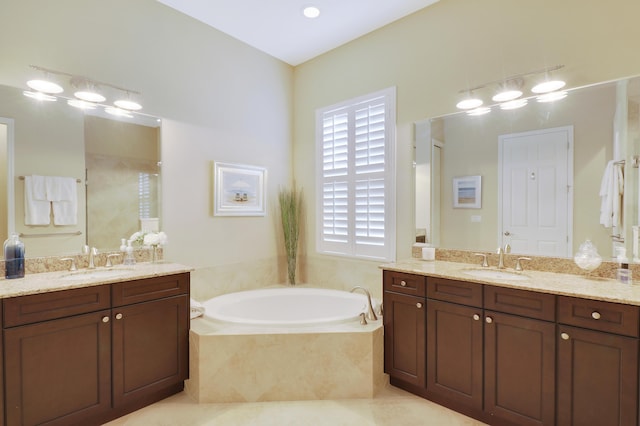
<point>371,315</point>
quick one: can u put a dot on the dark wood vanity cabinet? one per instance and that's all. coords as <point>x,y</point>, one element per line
<point>597,363</point>
<point>404,328</point>
<point>79,357</point>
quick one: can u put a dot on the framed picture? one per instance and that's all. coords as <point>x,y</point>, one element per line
<point>239,190</point>
<point>467,192</point>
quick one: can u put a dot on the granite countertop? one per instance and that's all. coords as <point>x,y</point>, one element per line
<point>64,280</point>
<point>547,282</point>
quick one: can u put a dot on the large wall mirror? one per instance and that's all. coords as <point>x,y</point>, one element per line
<point>114,160</point>
<point>540,167</point>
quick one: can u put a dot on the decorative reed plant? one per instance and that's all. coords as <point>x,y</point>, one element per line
<point>290,208</point>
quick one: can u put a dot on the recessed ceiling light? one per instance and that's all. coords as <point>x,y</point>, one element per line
<point>89,96</point>
<point>469,103</point>
<point>311,12</point>
<point>507,95</point>
<point>128,104</point>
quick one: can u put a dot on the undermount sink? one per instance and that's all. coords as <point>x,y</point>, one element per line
<point>496,274</point>
<point>98,273</point>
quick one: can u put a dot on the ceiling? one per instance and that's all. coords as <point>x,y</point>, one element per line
<point>277,27</point>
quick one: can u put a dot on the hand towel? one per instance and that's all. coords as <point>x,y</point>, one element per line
<point>611,192</point>
<point>196,309</point>
<point>38,187</point>
<point>36,212</point>
<point>60,188</point>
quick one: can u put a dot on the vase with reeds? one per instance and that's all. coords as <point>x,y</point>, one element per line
<point>290,207</point>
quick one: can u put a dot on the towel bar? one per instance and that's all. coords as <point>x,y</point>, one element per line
<point>22,178</point>
<point>51,234</point>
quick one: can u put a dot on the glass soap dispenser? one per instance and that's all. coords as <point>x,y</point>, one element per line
<point>14,257</point>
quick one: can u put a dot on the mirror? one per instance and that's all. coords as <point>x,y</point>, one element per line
<point>601,121</point>
<point>115,161</point>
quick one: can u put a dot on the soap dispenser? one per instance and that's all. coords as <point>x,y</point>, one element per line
<point>14,257</point>
<point>129,259</point>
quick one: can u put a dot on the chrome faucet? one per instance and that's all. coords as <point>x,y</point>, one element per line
<point>92,252</point>
<point>371,315</point>
<point>501,253</point>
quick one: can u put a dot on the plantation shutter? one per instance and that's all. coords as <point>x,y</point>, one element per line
<point>356,177</point>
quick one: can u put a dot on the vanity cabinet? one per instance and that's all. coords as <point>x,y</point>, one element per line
<point>455,344</point>
<point>597,362</point>
<point>88,355</point>
<point>404,328</point>
<point>494,357</point>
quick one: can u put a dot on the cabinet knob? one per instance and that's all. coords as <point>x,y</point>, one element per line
<point>564,336</point>
<point>476,317</point>
<point>403,283</point>
<point>418,305</point>
<point>118,316</point>
<point>105,319</point>
<point>488,320</point>
<point>595,315</point>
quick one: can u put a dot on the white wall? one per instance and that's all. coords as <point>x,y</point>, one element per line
<point>220,100</point>
<point>433,54</point>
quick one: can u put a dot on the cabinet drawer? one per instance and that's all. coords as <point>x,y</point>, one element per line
<point>401,282</point>
<point>47,306</point>
<point>520,302</point>
<point>463,292</point>
<point>598,315</point>
<point>129,292</point>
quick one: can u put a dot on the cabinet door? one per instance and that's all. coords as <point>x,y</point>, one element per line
<point>150,348</point>
<point>404,338</point>
<point>454,352</point>
<point>597,378</point>
<point>519,369</point>
<point>58,372</point>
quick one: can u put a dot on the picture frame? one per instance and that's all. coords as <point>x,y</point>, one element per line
<point>239,190</point>
<point>467,192</point>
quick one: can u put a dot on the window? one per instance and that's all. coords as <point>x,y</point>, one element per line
<point>144,195</point>
<point>355,143</point>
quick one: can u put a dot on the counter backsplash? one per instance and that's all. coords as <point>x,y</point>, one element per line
<point>35,265</point>
<point>537,263</point>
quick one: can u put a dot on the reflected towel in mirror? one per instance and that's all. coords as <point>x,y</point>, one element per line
<point>611,192</point>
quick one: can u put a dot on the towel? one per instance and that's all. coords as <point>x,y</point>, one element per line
<point>37,211</point>
<point>60,188</point>
<point>196,309</point>
<point>611,192</point>
<point>63,194</point>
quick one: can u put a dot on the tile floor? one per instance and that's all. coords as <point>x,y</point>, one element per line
<point>391,407</point>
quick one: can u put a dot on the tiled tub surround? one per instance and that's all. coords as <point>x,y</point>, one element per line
<point>252,364</point>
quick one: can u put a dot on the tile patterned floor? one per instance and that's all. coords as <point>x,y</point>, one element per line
<point>391,407</point>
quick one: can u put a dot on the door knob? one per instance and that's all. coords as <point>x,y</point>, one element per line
<point>105,319</point>
<point>488,320</point>
<point>476,317</point>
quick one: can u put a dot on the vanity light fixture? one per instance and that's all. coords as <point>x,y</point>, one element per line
<point>469,101</point>
<point>311,12</point>
<point>509,91</point>
<point>511,88</point>
<point>514,104</point>
<point>117,112</point>
<point>45,86</point>
<point>479,111</point>
<point>552,96</point>
<point>39,96</point>
<point>86,90</point>
<point>79,103</point>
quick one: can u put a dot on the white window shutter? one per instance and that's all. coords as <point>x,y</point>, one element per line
<point>356,177</point>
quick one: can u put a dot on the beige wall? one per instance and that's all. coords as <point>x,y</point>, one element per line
<point>454,44</point>
<point>219,98</point>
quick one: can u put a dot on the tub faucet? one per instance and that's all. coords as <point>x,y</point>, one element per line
<point>371,315</point>
<point>501,253</point>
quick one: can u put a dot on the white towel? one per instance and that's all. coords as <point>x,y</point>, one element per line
<point>611,192</point>
<point>196,309</point>
<point>60,188</point>
<point>36,211</point>
<point>38,187</point>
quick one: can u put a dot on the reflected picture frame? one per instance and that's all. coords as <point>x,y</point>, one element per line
<point>467,192</point>
<point>239,190</point>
